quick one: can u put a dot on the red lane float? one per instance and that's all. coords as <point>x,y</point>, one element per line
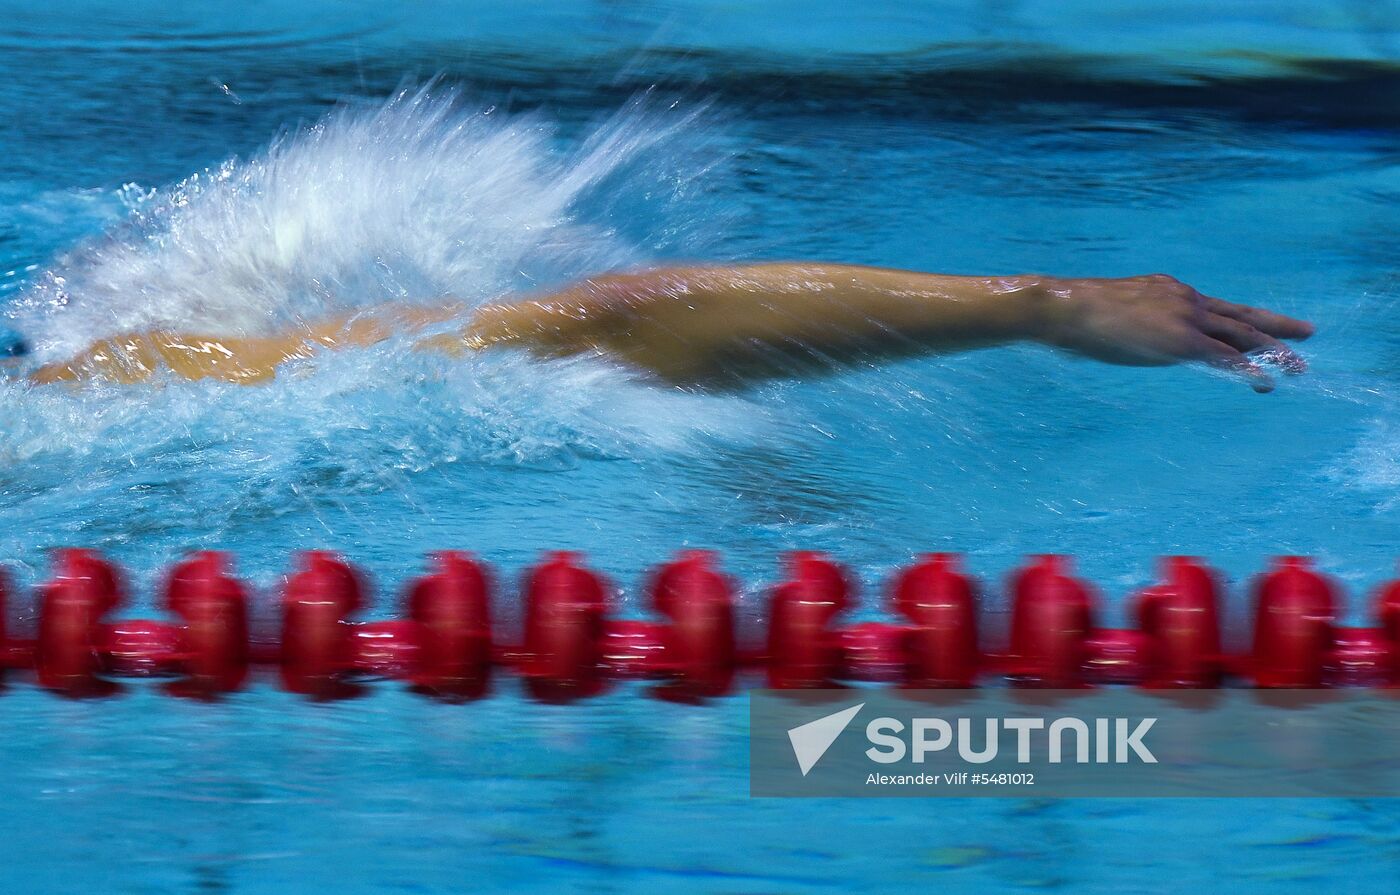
<point>873,651</point>
<point>698,647</point>
<point>452,608</point>
<point>7,657</point>
<point>71,606</point>
<point>571,648</point>
<point>213,645</point>
<point>1388,614</point>
<point>1294,612</point>
<point>1052,622</point>
<point>1181,619</point>
<point>802,648</point>
<point>564,608</point>
<point>318,645</point>
<point>941,605</point>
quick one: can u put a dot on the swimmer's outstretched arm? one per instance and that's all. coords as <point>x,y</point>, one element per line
<point>733,324</point>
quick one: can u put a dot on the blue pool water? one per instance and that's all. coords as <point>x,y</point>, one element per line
<point>240,165</point>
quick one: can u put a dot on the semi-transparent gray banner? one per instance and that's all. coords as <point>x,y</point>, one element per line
<point>1075,743</point>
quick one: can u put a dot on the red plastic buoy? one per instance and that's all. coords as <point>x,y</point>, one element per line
<point>452,606</point>
<point>213,605</point>
<point>1116,656</point>
<point>634,649</point>
<point>1294,614</point>
<point>317,644</point>
<point>874,651</point>
<point>802,648</point>
<point>139,647</point>
<point>699,641</point>
<point>565,606</point>
<point>941,604</point>
<point>71,607</point>
<point>1295,609</point>
<point>1051,618</point>
<point>1181,618</point>
<point>1359,657</point>
<point>5,645</point>
<point>392,648</point>
<point>1388,614</point>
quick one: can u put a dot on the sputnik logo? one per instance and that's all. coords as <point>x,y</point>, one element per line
<point>811,740</point>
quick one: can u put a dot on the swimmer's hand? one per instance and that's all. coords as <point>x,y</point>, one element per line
<point>1157,320</point>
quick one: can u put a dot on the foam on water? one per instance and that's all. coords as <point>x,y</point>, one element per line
<point>412,200</point>
<point>409,201</point>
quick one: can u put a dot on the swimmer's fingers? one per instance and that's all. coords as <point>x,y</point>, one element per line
<point>1276,325</point>
<point>1245,338</point>
<point>1225,357</point>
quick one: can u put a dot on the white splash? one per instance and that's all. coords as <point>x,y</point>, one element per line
<point>411,200</point>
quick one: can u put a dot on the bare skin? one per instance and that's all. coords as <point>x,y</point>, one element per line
<point>727,326</point>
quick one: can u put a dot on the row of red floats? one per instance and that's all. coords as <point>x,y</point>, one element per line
<point>571,648</point>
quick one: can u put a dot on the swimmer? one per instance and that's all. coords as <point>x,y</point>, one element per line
<point>725,326</point>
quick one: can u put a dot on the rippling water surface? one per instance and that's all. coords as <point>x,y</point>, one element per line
<point>233,169</point>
